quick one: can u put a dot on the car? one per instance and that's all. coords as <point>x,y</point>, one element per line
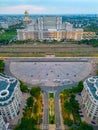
<point>81,116</point>
<point>80,111</point>
<point>93,122</point>
<point>41,120</point>
<point>18,112</point>
<point>79,94</point>
<point>76,125</point>
<point>57,124</point>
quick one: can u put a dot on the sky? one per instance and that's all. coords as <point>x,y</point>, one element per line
<point>49,6</point>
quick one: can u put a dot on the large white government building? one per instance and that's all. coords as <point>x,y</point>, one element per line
<point>90,97</point>
<point>10,97</point>
<point>49,28</point>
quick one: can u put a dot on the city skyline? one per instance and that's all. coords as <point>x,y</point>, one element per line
<point>49,7</point>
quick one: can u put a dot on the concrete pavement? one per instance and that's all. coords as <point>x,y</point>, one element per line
<point>45,112</point>
<point>47,89</point>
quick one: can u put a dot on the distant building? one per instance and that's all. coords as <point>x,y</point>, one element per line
<point>49,28</point>
<point>90,97</point>
<point>4,25</point>
<point>68,26</point>
<point>26,17</point>
<point>10,97</point>
<point>89,35</point>
<point>2,31</point>
<point>2,123</point>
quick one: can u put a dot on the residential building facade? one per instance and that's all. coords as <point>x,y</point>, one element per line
<point>10,97</point>
<point>90,97</point>
<point>2,123</point>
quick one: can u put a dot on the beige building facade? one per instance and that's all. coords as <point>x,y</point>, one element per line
<point>49,28</point>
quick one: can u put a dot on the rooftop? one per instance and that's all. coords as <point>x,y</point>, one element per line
<point>7,86</point>
<point>92,84</point>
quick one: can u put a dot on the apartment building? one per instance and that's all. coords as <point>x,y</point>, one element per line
<point>90,97</point>
<point>2,123</point>
<point>10,97</point>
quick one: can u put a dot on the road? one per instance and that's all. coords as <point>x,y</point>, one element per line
<point>57,111</point>
<point>44,59</point>
<point>56,90</point>
<point>45,111</point>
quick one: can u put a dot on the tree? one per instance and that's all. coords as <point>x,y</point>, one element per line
<point>85,126</point>
<point>23,87</point>
<point>30,102</point>
<point>2,65</point>
<point>67,92</point>
<point>27,124</point>
<point>35,91</point>
<point>35,107</point>
<point>27,112</point>
<point>72,96</point>
<point>79,88</point>
<point>67,106</point>
<point>74,89</point>
<point>68,121</point>
<point>75,109</point>
<point>96,72</point>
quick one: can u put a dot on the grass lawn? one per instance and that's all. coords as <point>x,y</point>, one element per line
<point>42,49</point>
<point>51,109</point>
<point>51,95</point>
<point>8,35</point>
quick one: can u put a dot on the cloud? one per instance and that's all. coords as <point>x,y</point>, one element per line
<point>33,9</point>
<point>53,9</point>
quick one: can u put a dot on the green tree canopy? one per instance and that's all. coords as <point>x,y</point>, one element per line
<point>67,106</point>
<point>30,102</point>
<point>35,107</point>
<point>96,72</point>
<point>83,126</point>
<point>27,124</point>
<point>79,88</point>
<point>35,91</point>
<point>2,65</point>
<point>23,87</point>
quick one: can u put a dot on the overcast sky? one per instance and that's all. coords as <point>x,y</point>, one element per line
<point>49,6</point>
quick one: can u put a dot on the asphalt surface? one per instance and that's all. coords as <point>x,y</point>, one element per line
<point>57,111</point>
<point>45,111</point>
<point>56,90</point>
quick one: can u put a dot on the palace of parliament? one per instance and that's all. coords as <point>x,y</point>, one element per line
<point>48,28</point>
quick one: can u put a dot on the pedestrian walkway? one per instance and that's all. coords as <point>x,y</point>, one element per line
<point>51,127</point>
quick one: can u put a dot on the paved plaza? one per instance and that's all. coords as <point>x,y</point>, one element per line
<point>50,73</point>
